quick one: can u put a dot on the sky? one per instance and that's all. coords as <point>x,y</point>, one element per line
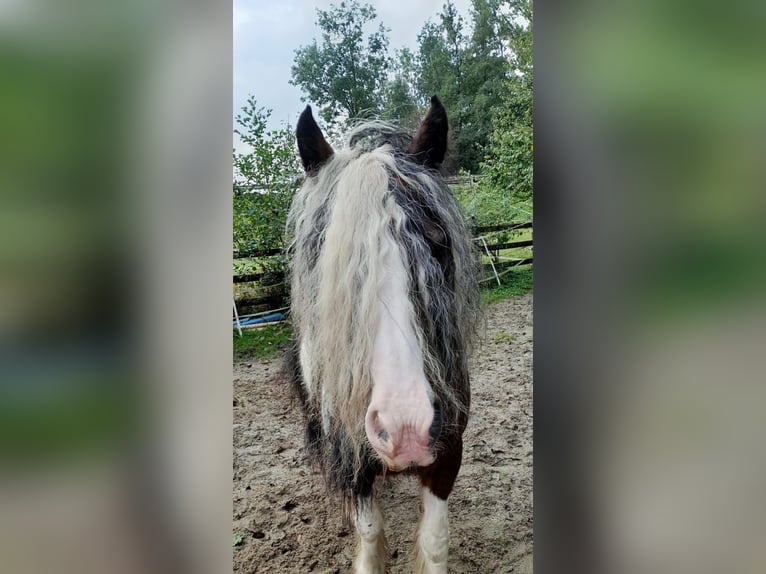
<point>267,33</point>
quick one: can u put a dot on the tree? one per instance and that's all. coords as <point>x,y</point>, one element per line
<point>467,68</point>
<point>441,50</point>
<point>401,101</point>
<point>265,179</point>
<point>441,53</point>
<point>272,157</point>
<point>508,164</point>
<point>346,75</point>
<point>485,74</point>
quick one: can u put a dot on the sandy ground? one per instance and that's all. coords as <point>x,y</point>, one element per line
<point>289,523</point>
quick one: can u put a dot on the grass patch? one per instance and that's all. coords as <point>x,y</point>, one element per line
<point>514,283</point>
<point>504,337</point>
<point>261,343</point>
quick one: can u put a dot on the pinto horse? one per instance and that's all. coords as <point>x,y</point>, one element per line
<point>384,304</point>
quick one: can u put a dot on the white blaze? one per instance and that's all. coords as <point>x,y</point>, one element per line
<point>400,411</point>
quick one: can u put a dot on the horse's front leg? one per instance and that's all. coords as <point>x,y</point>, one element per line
<point>433,536</point>
<point>432,546</point>
<point>372,550</point>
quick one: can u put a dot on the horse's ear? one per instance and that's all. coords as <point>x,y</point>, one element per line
<point>430,143</point>
<point>312,146</point>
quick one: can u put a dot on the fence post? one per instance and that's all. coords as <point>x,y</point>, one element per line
<point>491,262</point>
<point>236,316</point>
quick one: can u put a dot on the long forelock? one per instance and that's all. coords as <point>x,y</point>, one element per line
<point>445,294</point>
<point>341,224</point>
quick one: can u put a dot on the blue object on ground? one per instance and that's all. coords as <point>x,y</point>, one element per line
<point>258,320</point>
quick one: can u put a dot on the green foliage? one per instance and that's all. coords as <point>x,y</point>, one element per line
<point>474,66</point>
<point>514,283</point>
<point>401,98</point>
<point>236,539</point>
<point>483,204</point>
<point>467,69</point>
<point>272,157</point>
<point>345,75</point>
<point>483,85</point>
<point>261,343</point>
<point>265,179</point>
<point>508,165</point>
<point>441,50</point>
<point>441,54</point>
<point>507,185</point>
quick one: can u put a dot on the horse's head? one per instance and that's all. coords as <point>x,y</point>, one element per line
<point>399,293</point>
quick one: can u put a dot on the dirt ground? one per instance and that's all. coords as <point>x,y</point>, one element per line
<point>289,523</point>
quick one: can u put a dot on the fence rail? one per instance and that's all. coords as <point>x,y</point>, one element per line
<point>253,277</point>
<point>501,227</point>
<point>466,179</point>
<point>250,253</point>
<point>510,245</point>
<point>513,263</point>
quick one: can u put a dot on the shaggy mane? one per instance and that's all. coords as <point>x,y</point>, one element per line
<point>367,201</point>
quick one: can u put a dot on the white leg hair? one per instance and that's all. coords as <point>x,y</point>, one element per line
<point>372,551</point>
<point>432,545</point>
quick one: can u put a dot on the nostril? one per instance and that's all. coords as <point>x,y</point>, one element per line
<point>374,426</point>
<point>436,424</point>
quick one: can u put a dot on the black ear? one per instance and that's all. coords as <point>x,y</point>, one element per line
<point>430,143</point>
<point>312,146</point>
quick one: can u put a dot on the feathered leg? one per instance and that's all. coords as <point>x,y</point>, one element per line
<point>432,545</point>
<point>372,550</point>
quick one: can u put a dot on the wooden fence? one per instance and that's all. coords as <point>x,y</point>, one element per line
<point>272,295</point>
<point>463,179</point>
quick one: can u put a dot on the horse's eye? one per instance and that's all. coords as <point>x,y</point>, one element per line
<point>434,234</point>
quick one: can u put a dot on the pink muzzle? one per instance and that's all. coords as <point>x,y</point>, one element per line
<point>400,432</point>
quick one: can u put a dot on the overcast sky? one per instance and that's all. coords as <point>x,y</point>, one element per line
<point>267,33</point>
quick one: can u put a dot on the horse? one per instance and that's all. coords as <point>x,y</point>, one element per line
<point>385,311</point>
